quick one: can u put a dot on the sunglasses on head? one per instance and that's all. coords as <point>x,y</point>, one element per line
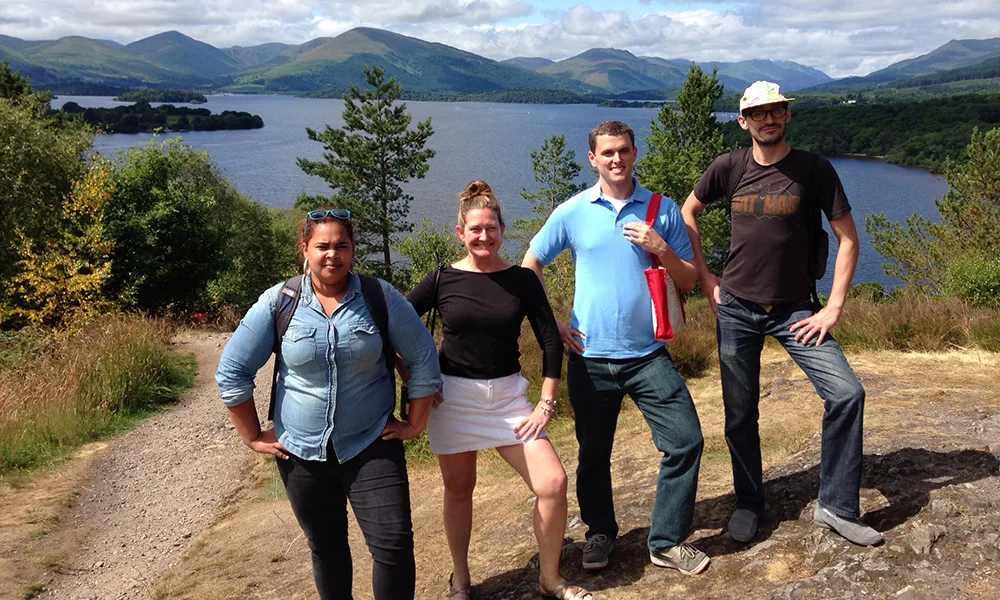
<point>341,214</point>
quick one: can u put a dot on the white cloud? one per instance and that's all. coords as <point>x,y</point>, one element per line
<point>840,37</point>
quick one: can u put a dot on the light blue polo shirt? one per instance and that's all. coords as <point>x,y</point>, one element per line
<point>611,305</point>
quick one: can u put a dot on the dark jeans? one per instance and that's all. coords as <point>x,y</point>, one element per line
<point>596,389</point>
<point>376,484</point>
<point>742,326</point>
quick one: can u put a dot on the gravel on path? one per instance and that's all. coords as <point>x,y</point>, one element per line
<point>149,492</point>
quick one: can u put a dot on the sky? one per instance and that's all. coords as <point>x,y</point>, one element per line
<point>838,37</point>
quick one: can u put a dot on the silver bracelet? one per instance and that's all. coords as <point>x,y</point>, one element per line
<point>548,405</point>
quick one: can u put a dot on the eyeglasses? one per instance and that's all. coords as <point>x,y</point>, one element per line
<point>341,214</point>
<point>759,115</point>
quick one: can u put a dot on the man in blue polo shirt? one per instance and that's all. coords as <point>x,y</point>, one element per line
<point>613,351</point>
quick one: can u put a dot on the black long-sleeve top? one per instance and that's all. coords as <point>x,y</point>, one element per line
<point>481,316</point>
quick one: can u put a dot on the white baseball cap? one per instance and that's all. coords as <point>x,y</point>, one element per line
<point>761,93</point>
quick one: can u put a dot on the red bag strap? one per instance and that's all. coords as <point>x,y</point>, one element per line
<point>651,212</point>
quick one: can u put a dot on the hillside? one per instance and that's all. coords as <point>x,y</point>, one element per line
<point>615,70</point>
<point>251,56</point>
<point>619,71</point>
<point>953,56</point>
<point>532,63</point>
<point>419,66</point>
<point>77,58</point>
<point>177,52</point>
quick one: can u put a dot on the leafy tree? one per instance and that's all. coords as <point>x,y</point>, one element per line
<point>260,248</point>
<point>555,169</point>
<point>682,141</point>
<point>185,239</point>
<point>928,255</point>
<point>160,216</point>
<point>366,161</point>
<point>40,158</point>
<point>60,281</point>
<point>17,88</point>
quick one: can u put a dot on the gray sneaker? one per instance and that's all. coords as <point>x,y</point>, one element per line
<point>854,530</point>
<point>684,557</point>
<point>596,552</point>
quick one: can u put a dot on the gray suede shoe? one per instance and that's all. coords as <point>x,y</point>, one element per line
<point>853,530</point>
<point>743,524</point>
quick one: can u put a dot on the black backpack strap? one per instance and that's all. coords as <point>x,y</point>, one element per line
<point>432,315</point>
<point>284,308</point>
<point>740,156</point>
<point>819,242</point>
<point>371,289</point>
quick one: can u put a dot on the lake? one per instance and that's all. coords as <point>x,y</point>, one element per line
<point>488,141</point>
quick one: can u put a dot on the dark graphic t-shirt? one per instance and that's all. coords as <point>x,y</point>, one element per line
<point>769,251</point>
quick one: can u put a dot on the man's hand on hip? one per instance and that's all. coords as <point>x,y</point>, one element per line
<point>571,338</point>
<point>819,323</point>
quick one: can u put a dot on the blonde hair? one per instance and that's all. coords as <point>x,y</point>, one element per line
<point>478,194</point>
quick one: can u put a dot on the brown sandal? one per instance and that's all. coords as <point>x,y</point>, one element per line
<point>565,591</point>
<point>462,594</point>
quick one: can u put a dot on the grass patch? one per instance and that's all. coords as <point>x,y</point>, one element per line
<point>94,383</point>
<point>914,323</point>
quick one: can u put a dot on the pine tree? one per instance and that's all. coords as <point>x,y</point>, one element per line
<point>365,162</point>
<point>682,141</point>
<point>555,169</point>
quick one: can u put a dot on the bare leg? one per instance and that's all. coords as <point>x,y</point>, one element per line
<point>459,473</point>
<point>538,465</point>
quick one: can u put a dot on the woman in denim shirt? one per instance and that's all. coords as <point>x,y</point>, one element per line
<point>334,435</point>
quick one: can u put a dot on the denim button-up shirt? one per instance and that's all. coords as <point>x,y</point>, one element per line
<point>332,377</point>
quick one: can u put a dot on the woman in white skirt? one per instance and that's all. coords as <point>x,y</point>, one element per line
<point>482,300</point>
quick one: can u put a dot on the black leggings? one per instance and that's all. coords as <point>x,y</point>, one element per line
<point>375,482</point>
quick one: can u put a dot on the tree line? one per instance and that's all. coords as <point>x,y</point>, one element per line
<point>920,134</point>
<point>162,95</point>
<point>141,117</point>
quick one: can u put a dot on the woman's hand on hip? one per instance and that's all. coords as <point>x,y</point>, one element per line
<point>399,430</point>
<point>267,442</point>
<point>532,426</point>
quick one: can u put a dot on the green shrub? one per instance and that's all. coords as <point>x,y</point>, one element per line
<point>22,344</point>
<point>419,248</point>
<point>872,291</point>
<point>975,278</point>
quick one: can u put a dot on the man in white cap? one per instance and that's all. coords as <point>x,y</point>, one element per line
<point>778,250</point>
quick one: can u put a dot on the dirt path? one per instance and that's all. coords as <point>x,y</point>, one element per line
<point>122,512</point>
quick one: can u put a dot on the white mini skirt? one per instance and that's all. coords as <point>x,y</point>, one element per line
<point>478,413</point>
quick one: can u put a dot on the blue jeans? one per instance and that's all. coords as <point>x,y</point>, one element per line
<point>742,326</point>
<point>375,482</point>
<point>596,389</point>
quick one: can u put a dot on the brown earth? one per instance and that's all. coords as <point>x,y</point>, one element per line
<point>932,450</point>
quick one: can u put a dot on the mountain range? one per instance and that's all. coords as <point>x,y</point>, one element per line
<point>956,60</point>
<point>172,59</point>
